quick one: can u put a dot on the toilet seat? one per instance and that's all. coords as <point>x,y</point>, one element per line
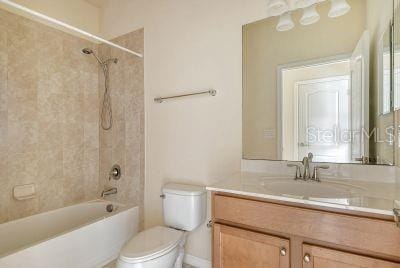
<point>151,244</point>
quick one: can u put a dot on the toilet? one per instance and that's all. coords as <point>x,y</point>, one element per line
<point>184,209</point>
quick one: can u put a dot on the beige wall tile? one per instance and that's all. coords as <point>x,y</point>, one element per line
<point>50,99</point>
<point>22,167</point>
<point>73,109</point>
<point>22,137</point>
<point>91,107</point>
<point>47,135</point>
<point>22,110</point>
<point>91,135</point>
<point>3,131</point>
<point>3,77</point>
<point>72,135</point>
<point>50,107</point>
<point>50,164</point>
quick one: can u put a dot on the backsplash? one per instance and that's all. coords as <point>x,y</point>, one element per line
<point>383,174</point>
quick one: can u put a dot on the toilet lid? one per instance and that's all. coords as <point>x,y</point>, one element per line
<point>150,244</point>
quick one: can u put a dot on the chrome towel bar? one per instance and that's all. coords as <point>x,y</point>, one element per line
<point>211,92</point>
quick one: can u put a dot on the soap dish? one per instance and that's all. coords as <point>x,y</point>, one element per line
<point>24,192</point>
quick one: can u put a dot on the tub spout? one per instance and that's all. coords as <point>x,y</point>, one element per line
<point>109,192</point>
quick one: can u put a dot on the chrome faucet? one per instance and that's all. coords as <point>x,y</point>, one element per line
<point>306,166</point>
<point>298,175</point>
<point>109,192</point>
<point>315,176</point>
<point>306,169</point>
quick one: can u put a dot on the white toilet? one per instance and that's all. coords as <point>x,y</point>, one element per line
<point>163,247</point>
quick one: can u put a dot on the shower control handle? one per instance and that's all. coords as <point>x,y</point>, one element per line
<point>115,173</point>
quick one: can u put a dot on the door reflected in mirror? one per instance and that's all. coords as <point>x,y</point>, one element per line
<point>324,88</point>
<point>315,110</point>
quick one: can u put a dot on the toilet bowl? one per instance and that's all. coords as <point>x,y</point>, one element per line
<point>156,247</point>
<point>184,209</point>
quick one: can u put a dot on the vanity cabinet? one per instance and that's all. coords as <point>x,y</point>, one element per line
<point>319,257</point>
<point>251,232</point>
<point>235,247</point>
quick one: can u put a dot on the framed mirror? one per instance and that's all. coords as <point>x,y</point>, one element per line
<point>320,81</point>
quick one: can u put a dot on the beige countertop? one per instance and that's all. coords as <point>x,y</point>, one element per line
<point>343,193</point>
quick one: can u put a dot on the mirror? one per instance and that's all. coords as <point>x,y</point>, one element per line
<point>322,84</point>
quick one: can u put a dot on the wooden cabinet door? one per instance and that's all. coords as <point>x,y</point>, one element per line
<point>319,257</point>
<point>238,248</point>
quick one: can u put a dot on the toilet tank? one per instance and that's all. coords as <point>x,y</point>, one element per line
<point>185,206</point>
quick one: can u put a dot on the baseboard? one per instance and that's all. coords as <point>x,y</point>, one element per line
<point>196,261</point>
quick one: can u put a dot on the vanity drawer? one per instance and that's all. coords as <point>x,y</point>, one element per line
<point>355,232</point>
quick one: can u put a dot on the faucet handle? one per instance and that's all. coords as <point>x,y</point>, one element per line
<point>298,172</point>
<point>315,174</point>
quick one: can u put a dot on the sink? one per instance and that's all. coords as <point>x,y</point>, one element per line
<point>310,189</point>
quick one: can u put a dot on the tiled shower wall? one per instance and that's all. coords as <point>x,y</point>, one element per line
<point>49,119</point>
<point>46,85</point>
<point>124,143</point>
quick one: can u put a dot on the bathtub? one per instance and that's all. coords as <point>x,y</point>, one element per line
<point>80,236</point>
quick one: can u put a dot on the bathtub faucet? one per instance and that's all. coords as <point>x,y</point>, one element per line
<point>109,192</point>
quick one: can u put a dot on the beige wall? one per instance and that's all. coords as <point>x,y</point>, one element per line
<point>265,49</point>
<point>189,45</point>
<point>48,117</point>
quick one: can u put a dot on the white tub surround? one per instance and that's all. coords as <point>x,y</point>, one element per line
<point>83,235</point>
<point>370,189</point>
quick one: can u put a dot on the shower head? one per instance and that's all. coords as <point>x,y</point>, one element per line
<point>87,51</point>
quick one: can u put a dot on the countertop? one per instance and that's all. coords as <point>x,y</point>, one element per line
<point>362,196</point>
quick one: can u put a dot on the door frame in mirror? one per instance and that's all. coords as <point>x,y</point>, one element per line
<point>279,89</point>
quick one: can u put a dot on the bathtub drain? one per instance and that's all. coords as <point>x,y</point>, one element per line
<point>110,208</point>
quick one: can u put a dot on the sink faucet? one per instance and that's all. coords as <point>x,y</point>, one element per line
<point>109,192</point>
<point>315,176</point>
<point>298,175</point>
<point>306,166</point>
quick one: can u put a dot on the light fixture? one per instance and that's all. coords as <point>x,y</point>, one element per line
<point>303,3</point>
<point>277,7</point>
<point>285,22</point>
<point>338,8</point>
<point>310,16</point>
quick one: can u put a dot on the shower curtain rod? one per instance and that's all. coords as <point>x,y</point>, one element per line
<point>69,27</point>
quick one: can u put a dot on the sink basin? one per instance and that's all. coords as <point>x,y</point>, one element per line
<point>309,189</point>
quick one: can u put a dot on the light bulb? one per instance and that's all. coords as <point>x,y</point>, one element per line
<point>310,16</point>
<point>277,7</point>
<point>285,22</point>
<point>338,8</point>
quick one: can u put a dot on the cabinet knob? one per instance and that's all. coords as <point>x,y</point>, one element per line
<point>307,258</point>
<point>283,251</point>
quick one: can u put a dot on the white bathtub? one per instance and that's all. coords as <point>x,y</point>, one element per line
<point>83,235</point>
